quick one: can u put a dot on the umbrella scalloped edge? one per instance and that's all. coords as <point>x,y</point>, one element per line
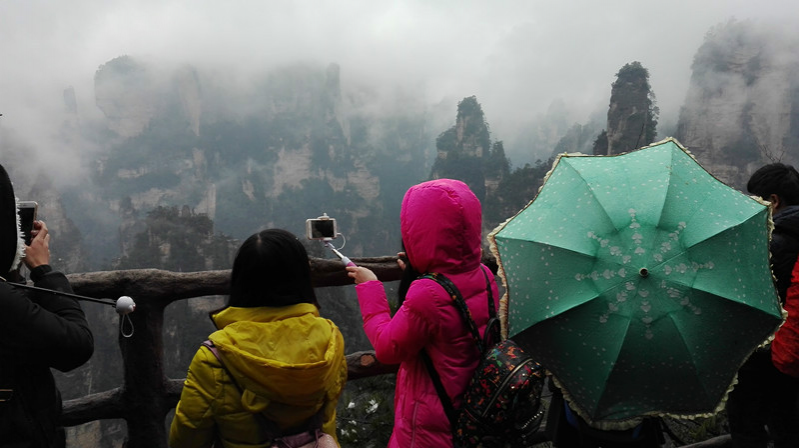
<point>492,246</point>
<point>621,425</point>
<point>770,226</point>
<point>503,301</point>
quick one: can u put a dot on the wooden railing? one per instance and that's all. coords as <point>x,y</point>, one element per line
<point>147,395</point>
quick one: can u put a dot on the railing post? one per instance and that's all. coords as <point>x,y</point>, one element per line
<point>144,392</point>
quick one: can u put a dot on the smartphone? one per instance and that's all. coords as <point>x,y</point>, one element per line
<point>27,214</point>
<point>321,228</point>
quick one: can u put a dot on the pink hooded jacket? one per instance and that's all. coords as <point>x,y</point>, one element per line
<point>441,229</point>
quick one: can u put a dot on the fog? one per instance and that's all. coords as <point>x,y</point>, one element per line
<point>516,56</point>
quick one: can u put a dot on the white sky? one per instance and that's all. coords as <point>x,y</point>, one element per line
<point>516,56</point>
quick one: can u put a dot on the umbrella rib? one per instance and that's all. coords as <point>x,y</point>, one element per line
<point>700,288</point>
<point>589,257</point>
<point>546,243</point>
<point>593,194</point>
<point>693,358</point>
<point>705,200</point>
<point>685,249</point>
<point>703,378</point>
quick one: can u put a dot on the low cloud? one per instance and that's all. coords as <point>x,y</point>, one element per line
<point>516,56</point>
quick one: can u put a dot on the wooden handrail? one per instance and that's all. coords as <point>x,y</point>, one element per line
<point>164,287</point>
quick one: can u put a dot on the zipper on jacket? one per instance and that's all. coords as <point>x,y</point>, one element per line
<point>413,424</point>
<point>504,382</point>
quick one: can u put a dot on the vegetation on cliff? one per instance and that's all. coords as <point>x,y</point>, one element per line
<point>632,115</point>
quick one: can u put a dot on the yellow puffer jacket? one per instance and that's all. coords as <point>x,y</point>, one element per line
<point>290,363</point>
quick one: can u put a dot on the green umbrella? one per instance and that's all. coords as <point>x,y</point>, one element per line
<point>640,281</point>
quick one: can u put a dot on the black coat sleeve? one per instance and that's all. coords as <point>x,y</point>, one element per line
<point>784,252</point>
<point>40,328</point>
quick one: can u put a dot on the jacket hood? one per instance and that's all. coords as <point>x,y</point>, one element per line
<point>12,246</point>
<point>282,356</point>
<point>441,225</point>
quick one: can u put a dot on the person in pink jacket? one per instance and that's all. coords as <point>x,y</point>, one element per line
<point>441,222</point>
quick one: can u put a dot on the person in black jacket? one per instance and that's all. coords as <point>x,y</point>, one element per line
<point>765,397</point>
<point>38,330</point>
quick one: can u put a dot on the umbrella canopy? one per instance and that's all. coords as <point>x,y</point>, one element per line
<point>640,281</point>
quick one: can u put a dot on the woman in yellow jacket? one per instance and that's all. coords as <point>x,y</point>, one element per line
<point>287,359</point>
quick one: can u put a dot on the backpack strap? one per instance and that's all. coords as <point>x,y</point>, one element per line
<point>271,428</point>
<point>493,331</point>
<point>446,402</point>
<point>460,305</point>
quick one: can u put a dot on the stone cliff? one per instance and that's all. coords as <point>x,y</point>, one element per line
<point>288,146</point>
<point>631,115</point>
<point>742,105</point>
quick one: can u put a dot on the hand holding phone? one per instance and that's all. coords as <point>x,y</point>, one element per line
<point>402,260</point>
<point>37,252</point>
<point>27,215</point>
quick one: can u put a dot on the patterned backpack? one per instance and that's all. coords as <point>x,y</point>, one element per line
<point>502,403</point>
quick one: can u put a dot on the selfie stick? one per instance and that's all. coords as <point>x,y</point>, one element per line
<point>124,305</point>
<point>344,259</point>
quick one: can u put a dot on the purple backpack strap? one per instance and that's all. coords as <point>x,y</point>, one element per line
<point>213,349</point>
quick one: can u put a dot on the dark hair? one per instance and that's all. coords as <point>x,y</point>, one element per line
<point>776,178</point>
<point>408,276</point>
<point>271,269</point>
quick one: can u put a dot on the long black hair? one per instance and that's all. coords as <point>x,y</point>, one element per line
<point>271,268</point>
<point>408,276</point>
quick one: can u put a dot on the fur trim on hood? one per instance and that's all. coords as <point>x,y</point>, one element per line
<point>12,246</point>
